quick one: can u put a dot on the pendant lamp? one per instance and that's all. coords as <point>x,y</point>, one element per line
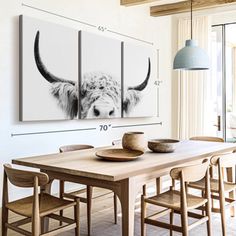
<point>191,57</point>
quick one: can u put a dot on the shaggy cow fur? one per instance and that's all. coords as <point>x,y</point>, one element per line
<point>100,93</point>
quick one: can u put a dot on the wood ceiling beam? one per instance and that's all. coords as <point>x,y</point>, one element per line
<point>134,2</point>
<point>181,7</point>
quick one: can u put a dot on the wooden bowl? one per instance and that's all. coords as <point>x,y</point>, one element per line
<point>115,154</point>
<point>134,141</point>
<point>163,145</point>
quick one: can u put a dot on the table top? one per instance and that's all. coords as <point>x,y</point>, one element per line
<point>86,164</point>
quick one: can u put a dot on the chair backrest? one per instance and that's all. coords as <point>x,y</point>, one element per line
<point>23,178</point>
<point>226,160</point>
<point>191,173</point>
<point>76,147</point>
<point>207,138</point>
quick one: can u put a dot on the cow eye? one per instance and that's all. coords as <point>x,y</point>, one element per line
<point>96,112</point>
<point>111,113</point>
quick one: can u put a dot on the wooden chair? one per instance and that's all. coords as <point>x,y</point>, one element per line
<point>219,187</point>
<point>35,207</point>
<point>180,202</point>
<point>207,138</point>
<point>88,189</point>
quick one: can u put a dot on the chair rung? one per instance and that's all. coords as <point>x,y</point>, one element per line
<point>19,230</point>
<point>192,214</point>
<point>21,222</point>
<point>195,215</point>
<point>61,218</point>
<point>216,210</point>
<point>199,222</point>
<point>215,197</point>
<point>160,214</point>
<point>230,200</point>
<point>201,208</point>
<point>73,197</point>
<point>163,225</point>
<point>59,230</point>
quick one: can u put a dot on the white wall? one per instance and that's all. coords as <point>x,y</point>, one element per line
<point>133,21</point>
<point>224,17</point>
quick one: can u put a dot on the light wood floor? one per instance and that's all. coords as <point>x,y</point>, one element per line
<point>102,221</point>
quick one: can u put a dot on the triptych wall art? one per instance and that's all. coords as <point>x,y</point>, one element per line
<point>71,74</point>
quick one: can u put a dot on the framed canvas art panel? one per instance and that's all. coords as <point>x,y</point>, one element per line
<point>100,77</point>
<point>140,94</point>
<point>49,71</point>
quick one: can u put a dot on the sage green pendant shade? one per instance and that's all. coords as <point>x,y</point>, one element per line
<point>191,57</point>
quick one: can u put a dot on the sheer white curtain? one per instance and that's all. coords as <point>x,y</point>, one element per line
<point>192,85</point>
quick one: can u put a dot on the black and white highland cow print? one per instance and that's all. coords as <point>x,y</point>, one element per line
<point>100,94</point>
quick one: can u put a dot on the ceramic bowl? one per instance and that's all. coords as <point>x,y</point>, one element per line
<point>163,145</point>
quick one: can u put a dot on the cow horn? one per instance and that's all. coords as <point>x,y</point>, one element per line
<point>143,85</point>
<point>41,67</point>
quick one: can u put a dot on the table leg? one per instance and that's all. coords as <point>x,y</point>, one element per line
<point>127,195</point>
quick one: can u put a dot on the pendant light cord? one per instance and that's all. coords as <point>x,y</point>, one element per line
<point>191,19</point>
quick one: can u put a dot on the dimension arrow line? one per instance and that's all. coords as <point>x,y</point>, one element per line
<point>56,14</point>
<point>51,132</point>
<point>85,23</point>
<point>125,126</point>
<point>131,37</point>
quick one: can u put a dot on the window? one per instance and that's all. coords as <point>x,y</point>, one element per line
<point>222,94</point>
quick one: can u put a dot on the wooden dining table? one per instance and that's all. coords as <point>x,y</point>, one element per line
<point>125,179</point>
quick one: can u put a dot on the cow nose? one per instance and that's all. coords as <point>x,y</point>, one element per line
<point>103,112</point>
<point>112,112</point>
<point>96,111</point>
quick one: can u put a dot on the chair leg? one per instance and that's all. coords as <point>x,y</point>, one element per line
<point>143,215</point>
<point>213,202</point>
<point>184,222</point>
<point>36,226</point>
<point>171,221</point>
<point>42,225</point>
<point>4,220</point>
<point>89,207</point>
<point>61,214</point>
<point>77,217</point>
<point>230,178</point>
<point>61,192</point>
<point>203,195</point>
<point>222,209</point>
<point>208,213</point>
<point>115,208</point>
<point>232,210</point>
<point>158,185</point>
